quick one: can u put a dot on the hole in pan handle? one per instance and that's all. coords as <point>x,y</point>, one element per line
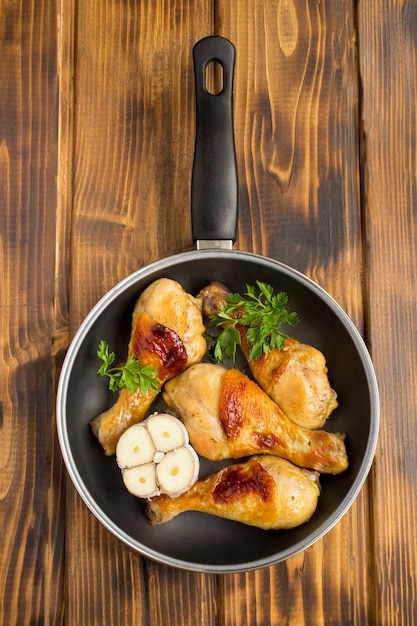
<point>214,180</point>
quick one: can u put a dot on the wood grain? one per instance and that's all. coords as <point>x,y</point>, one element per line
<point>31,467</point>
<point>133,136</point>
<point>390,209</point>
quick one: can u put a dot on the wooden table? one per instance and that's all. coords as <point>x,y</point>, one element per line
<point>96,148</point>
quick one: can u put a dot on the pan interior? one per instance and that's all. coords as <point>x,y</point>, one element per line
<point>198,541</point>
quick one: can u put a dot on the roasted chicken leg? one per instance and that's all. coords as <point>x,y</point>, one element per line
<point>295,377</point>
<point>167,333</point>
<point>266,492</point>
<point>227,415</point>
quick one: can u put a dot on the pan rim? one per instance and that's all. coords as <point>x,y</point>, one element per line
<point>99,513</point>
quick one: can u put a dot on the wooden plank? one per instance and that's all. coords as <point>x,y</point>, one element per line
<point>388,67</point>
<point>133,147</point>
<point>186,597</point>
<point>296,98</point>
<point>31,574</point>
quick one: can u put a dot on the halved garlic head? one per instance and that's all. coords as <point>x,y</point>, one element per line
<point>155,457</point>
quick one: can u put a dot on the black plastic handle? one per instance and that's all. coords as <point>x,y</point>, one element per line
<point>214,181</point>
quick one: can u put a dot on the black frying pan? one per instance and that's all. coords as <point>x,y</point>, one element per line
<point>197,541</point>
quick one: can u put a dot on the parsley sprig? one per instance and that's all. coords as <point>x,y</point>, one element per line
<point>262,312</point>
<point>130,375</point>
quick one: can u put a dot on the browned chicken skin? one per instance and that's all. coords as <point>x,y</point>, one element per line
<point>266,492</point>
<point>295,377</point>
<point>167,333</point>
<point>227,415</point>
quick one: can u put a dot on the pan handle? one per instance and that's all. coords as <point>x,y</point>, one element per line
<point>214,179</point>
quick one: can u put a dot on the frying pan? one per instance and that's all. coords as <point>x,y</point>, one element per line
<point>197,541</point>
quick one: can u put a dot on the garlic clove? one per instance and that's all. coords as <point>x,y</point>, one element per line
<point>135,447</point>
<point>167,432</point>
<point>141,480</point>
<point>177,471</point>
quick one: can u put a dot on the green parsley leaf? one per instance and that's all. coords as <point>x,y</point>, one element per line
<point>130,375</point>
<point>262,312</point>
